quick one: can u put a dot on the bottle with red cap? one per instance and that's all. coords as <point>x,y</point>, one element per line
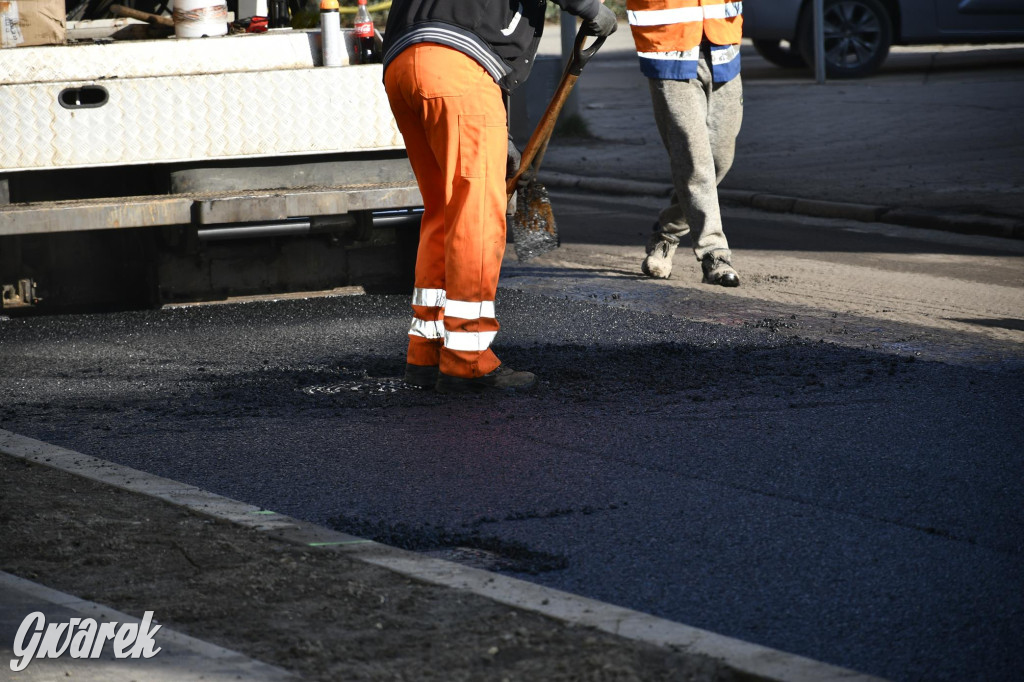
<point>364,34</point>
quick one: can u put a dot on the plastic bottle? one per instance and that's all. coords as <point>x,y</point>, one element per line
<point>331,42</point>
<point>277,14</point>
<point>364,35</point>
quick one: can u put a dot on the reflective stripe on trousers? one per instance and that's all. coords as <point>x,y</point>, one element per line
<point>431,325</point>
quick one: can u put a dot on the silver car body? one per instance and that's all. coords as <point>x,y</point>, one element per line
<point>914,21</point>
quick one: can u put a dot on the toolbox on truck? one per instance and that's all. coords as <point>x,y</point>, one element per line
<point>159,101</point>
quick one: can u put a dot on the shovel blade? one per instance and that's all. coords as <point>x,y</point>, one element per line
<point>533,224</point>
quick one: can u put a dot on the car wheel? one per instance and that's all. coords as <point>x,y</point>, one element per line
<point>858,34</point>
<point>786,57</point>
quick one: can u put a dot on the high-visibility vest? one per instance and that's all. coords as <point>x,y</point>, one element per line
<point>668,35</point>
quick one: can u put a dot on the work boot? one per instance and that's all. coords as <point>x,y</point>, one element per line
<point>659,256</point>
<point>500,378</point>
<point>718,270</point>
<point>424,376</point>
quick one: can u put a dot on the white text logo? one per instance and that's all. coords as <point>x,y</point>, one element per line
<point>81,638</point>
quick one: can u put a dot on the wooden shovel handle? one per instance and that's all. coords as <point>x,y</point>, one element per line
<point>542,133</point>
<point>122,11</point>
<point>538,141</point>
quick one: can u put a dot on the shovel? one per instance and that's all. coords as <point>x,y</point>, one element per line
<point>533,225</point>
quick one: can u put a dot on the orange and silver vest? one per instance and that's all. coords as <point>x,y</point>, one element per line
<point>668,36</point>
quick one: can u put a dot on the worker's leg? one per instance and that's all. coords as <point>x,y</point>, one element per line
<point>725,116</point>
<point>426,332</point>
<point>672,220</point>
<point>462,119</point>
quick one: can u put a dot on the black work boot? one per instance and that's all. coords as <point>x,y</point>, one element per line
<point>718,270</point>
<point>424,376</point>
<point>502,378</point>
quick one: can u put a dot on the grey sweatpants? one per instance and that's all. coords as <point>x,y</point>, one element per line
<point>698,121</point>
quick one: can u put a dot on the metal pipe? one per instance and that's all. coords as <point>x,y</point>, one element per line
<point>819,40</point>
<point>567,25</point>
<point>284,229</point>
<point>397,218</point>
<point>304,226</point>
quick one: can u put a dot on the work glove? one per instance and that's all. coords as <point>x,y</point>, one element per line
<point>511,166</point>
<point>604,24</point>
<point>514,158</point>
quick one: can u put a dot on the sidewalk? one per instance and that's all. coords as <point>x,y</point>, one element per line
<point>933,141</point>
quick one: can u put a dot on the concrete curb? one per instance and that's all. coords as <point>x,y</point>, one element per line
<point>964,223</point>
<point>748,661</point>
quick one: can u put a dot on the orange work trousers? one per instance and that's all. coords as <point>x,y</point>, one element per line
<point>452,116</point>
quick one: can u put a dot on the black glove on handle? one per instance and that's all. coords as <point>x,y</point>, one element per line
<point>604,24</point>
<point>514,158</point>
<point>511,166</point>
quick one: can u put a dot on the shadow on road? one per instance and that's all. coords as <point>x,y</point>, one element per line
<point>598,219</point>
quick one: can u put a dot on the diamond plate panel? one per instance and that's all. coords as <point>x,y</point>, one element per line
<point>167,57</point>
<point>216,116</point>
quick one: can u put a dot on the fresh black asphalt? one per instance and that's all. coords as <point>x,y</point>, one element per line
<point>856,507</point>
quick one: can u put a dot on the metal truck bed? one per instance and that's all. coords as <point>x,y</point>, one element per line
<point>254,96</point>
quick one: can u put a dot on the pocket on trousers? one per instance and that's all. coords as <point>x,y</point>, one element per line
<point>472,137</point>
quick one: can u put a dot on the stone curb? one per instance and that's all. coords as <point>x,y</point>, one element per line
<point>747,661</point>
<point>965,223</point>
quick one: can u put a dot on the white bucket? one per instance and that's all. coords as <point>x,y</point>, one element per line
<point>200,18</point>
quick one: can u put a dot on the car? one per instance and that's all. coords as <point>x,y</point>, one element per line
<point>858,33</point>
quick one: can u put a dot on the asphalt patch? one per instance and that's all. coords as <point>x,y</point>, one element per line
<point>471,548</point>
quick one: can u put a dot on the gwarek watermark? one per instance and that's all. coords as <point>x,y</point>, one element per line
<point>82,638</point>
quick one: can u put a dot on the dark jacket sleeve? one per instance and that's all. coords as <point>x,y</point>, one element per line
<point>584,9</point>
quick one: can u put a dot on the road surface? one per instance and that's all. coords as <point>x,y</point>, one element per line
<point>826,460</point>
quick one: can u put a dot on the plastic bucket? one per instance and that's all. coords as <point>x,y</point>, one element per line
<point>200,18</point>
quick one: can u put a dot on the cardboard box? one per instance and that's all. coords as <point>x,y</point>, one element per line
<point>32,22</point>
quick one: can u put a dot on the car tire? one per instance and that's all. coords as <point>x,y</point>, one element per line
<point>786,57</point>
<point>858,34</point>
